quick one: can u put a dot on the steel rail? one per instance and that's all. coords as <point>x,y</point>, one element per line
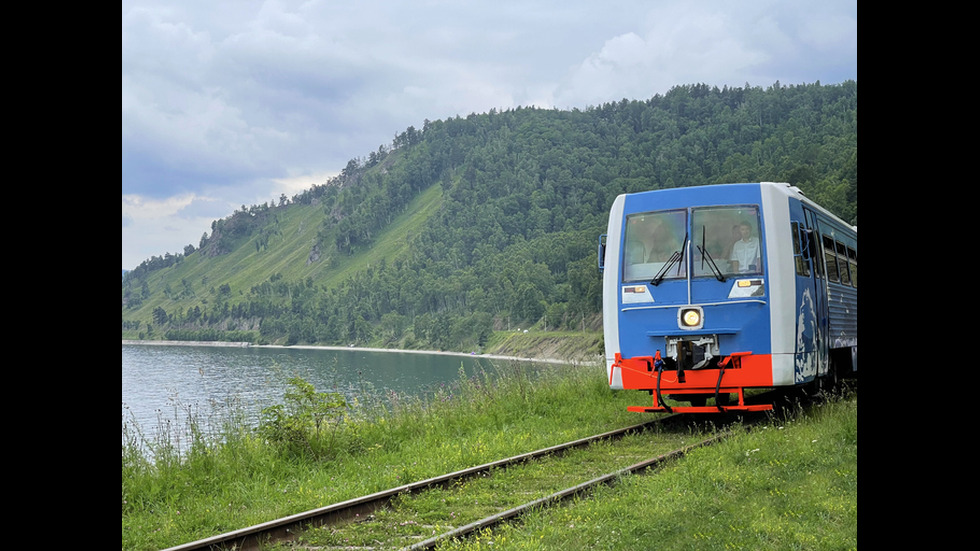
<point>560,496</point>
<point>557,497</point>
<point>288,527</point>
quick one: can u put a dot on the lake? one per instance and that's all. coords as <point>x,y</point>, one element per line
<point>164,385</point>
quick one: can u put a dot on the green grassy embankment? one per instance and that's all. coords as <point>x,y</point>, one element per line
<point>789,485</point>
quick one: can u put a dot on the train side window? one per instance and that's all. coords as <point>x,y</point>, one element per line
<point>845,276</point>
<point>830,258</point>
<point>799,256</point>
<point>852,260</point>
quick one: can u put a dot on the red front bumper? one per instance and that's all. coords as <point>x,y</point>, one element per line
<point>736,373</point>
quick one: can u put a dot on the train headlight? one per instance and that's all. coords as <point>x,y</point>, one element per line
<point>690,318</point>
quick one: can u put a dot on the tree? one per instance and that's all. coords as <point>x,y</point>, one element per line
<point>160,315</point>
<point>297,425</point>
<point>517,201</point>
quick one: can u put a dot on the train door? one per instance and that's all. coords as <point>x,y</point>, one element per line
<point>811,305</point>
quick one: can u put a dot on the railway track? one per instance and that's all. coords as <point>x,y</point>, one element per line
<point>559,496</point>
<point>363,509</point>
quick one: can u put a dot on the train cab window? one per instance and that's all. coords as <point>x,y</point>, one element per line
<point>830,258</point>
<point>653,245</point>
<point>845,276</point>
<point>816,254</point>
<point>727,238</point>
<point>799,244</point>
<point>852,261</point>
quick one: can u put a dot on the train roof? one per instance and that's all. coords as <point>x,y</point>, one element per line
<point>781,187</point>
<point>797,192</point>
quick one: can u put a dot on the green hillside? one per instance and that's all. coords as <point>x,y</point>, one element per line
<point>487,223</point>
<point>196,280</point>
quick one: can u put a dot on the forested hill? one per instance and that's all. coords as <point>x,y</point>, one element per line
<point>484,222</point>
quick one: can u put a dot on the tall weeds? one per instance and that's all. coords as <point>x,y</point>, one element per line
<point>315,449</point>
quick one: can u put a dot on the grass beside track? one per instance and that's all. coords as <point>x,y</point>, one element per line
<point>235,479</point>
<point>789,486</point>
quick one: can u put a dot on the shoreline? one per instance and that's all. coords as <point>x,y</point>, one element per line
<point>351,348</point>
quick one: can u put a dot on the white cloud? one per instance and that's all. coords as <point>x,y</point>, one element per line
<point>154,227</point>
<point>233,102</point>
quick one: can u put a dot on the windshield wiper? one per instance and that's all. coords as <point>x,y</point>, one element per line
<point>711,262</point>
<point>676,257</point>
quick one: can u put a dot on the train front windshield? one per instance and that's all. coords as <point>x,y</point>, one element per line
<point>662,245</point>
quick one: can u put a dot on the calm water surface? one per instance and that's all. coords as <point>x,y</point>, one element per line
<point>162,384</point>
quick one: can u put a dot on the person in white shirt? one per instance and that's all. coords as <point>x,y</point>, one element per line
<point>745,252</point>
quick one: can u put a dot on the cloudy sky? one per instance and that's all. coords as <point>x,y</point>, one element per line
<point>234,102</point>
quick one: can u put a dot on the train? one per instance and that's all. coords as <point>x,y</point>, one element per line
<point>713,290</point>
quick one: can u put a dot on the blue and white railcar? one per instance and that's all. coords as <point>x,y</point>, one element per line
<point>711,290</point>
